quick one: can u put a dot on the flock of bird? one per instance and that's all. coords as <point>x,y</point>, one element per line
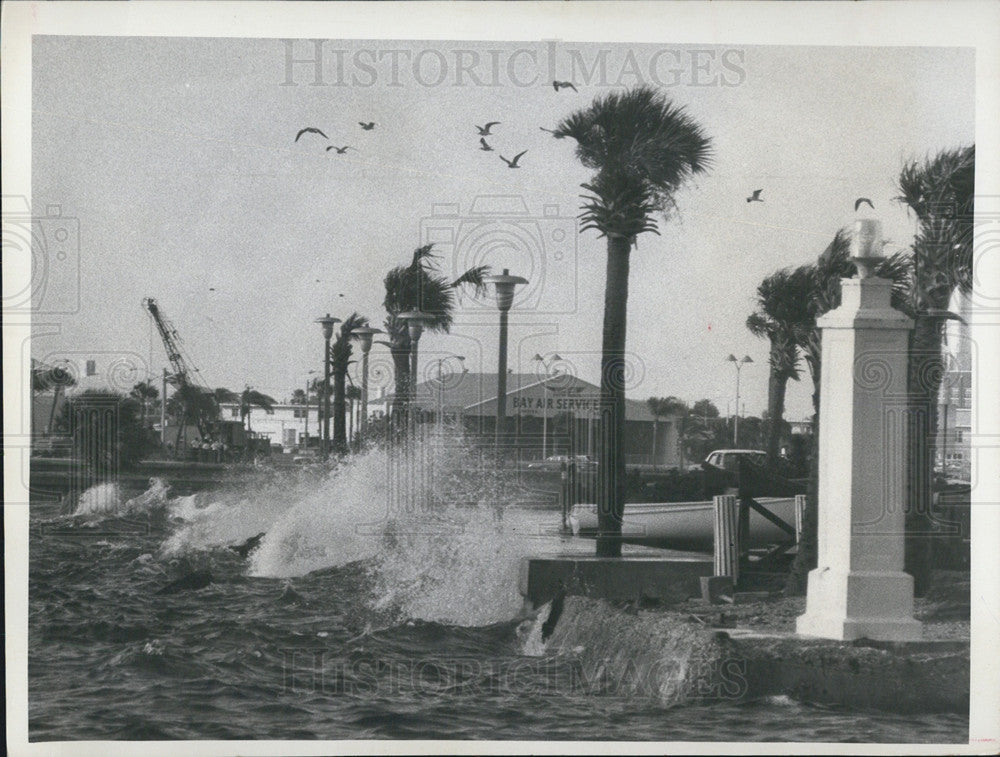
<point>486,130</point>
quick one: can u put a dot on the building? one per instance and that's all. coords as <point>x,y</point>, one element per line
<point>546,416</point>
<point>954,421</point>
<point>288,425</point>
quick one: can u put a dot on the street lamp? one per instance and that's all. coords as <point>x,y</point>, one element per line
<point>505,285</point>
<point>736,419</point>
<point>327,322</point>
<point>364,336</point>
<point>415,322</point>
<point>547,365</point>
<point>306,403</point>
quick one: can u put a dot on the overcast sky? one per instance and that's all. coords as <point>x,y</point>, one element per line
<point>177,156</point>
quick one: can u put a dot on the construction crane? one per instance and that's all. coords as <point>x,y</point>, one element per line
<point>186,379</point>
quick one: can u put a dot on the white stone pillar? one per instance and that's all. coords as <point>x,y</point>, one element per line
<point>859,589</point>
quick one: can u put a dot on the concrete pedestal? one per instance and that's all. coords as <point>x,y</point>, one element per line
<point>859,589</point>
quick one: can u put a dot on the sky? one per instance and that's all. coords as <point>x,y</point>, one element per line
<point>177,159</point>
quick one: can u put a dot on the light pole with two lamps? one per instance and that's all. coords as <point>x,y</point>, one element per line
<point>364,335</point>
<point>547,365</point>
<point>327,323</point>
<point>415,322</point>
<point>736,418</point>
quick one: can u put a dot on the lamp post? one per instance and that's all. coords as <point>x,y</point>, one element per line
<point>415,322</point>
<point>505,285</point>
<point>306,403</point>
<point>546,364</point>
<point>327,323</point>
<point>736,419</point>
<point>364,336</point>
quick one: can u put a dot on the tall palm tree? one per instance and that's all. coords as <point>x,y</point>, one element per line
<point>340,360</point>
<point>419,286</point>
<point>782,307</point>
<point>940,192</point>
<point>643,149</point>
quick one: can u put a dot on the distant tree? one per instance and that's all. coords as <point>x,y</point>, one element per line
<point>299,397</point>
<point>419,286</point>
<point>340,360</point>
<point>250,399</point>
<point>782,311</point>
<point>144,392</point>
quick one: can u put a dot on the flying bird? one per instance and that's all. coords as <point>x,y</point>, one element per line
<point>367,126</point>
<point>557,85</point>
<point>857,203</point>
<point>310,130</point>
<point>755,197</point>
<point>484,131</point>
<point>513,163</point>
<point>485,145</point>
<point>340,150</point>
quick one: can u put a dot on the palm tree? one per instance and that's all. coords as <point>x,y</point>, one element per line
<point>419,286</point>
<point>662,407</point>
<point>250,398</point>
<point>340,360</point>
<point>782,307</point>
<point>353,396</point>
<point>940,191</point>
<point>144,392</point>
<point>643,149</point>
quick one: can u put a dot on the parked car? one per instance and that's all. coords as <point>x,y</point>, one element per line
<point>556,463</point>
<point>727,458</point>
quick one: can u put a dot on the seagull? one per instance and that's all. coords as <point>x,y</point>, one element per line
<point>513,163</point>
<point>557,85</point>
<point>857,203</point>
<point>310,130</point>
<point>340,150</point>
<point>485,145</point>
<point>484,131</point>
<point>755,197</point>
<point>367,126</point>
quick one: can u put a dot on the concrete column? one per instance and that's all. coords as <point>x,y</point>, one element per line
<point>859,589</point>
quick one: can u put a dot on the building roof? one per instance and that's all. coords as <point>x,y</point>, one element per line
<point>476,394</point>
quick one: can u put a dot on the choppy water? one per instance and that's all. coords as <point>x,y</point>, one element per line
<point>371,609</point>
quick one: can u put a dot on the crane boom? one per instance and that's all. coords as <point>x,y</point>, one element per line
<point>182,375</point>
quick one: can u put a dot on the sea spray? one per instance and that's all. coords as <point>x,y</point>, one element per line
<point>429,523</point>
<point>100,499</point>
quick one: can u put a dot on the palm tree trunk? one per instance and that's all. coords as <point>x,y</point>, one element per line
<point>924,384</point>
<point>611,470</point>
<point>777,383</point>
<point>401,365</point>
<point>339,409</point>
<point>807,552</point>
